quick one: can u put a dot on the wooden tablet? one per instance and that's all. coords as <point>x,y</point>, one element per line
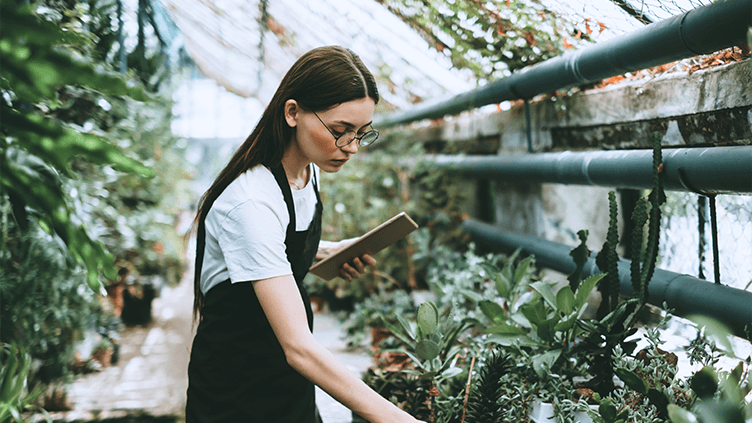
<point>372,242</point>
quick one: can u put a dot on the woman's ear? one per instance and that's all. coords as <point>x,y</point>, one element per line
<point>292,109</point>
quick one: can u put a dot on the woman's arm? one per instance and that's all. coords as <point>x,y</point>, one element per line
<point>283,306</point>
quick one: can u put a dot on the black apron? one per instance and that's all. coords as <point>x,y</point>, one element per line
<point>238,371</point>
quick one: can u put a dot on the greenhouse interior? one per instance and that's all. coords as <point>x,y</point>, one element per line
<point>573,181</point>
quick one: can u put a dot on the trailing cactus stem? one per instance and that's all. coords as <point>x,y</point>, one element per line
<point>656,198</point>
<point>639,217</point>
<point>613,241</point>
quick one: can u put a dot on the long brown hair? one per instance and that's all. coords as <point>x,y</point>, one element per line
<point>320,79</point>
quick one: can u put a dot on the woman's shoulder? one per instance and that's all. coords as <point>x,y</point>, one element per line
<point>256,185</point>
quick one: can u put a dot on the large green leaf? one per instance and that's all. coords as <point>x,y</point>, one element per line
<point>680,415</point>
<point>36,63</point>
<point>39,193</point>
<point>544,289</point>
<point>535,312</point>
<point>428,318</point>
<point>565,300</point>
<point>503,285</point>
<point>547,328</point>
<point>57,145</point>
<point>633,381</point>
<point>521,270</point>
<point>543,363</point>
<point>427,349</point>
<point>492,310</point>
<point>504,329</point>
<point>585,288</point>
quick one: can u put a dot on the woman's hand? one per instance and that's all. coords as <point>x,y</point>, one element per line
<point>356,267</point>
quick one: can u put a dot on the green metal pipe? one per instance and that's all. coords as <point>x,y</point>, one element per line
<point>708,170</point>
<point>684,294</point>
<point>702,30</point>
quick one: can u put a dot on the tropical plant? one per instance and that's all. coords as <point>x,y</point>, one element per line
<point>432,344</point>
<point>369,313</point>
<point>39,57</point>
<point>45,308</point>
<point>15,397</point>
<point>79,195</point>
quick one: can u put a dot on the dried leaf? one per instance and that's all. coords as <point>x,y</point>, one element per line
<point>530,39</point>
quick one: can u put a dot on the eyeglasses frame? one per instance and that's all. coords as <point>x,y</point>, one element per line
<point>356,137</point>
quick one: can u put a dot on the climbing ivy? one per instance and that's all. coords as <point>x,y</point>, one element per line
<point>492,39</point>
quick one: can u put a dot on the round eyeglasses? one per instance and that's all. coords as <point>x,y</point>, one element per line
<point>343,139</point>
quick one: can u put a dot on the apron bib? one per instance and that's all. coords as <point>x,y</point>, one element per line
<point>238,371</point>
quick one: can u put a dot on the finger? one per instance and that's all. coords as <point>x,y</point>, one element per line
<point>348,272</point>
<point>359,265</point>
<point>368,260</point>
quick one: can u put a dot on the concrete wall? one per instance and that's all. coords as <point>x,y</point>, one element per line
<point>709,107</point>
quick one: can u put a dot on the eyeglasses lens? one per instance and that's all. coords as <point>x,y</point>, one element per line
<point>367,138</point>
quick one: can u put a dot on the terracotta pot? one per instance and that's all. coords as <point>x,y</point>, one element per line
<point>103,356</point>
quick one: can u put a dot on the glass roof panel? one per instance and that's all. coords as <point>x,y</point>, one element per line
<point>228,43</point>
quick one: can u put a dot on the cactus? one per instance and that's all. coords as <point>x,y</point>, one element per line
<point>607,260</point>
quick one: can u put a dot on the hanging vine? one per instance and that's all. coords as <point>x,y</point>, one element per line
<point>492,39</point>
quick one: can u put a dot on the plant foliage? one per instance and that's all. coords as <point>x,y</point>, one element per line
<point>492,39</point>
<point>39,58</point>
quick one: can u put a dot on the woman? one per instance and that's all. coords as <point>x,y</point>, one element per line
<point>254,358</point>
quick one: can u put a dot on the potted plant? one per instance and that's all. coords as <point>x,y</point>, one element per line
<point>103,352</point>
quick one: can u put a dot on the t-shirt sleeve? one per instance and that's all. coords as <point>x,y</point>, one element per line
<point>252,240</point>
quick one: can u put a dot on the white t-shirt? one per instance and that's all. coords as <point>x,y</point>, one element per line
<point>246,229</point>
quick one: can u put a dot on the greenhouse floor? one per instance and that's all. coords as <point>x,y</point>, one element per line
<point>149,381</point>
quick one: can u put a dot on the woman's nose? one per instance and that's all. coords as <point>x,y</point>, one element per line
<point>352,147</point>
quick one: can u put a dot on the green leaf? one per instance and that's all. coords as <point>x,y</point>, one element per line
<point>565,300</point>
<point>493,311</point>
<point>58,145</point>
<point>567,324</point>
<point>547,328</point>
<point>450,373</point>
<point>428,317</point>
<point>544,289</point>
<point>406,326</point>
<point>396,331</point>
<point>704,382</point>
<point>471,295</point>
<point>719,410</point>
<point>503,286</point>
<point>47,197</point>
<point>535,312</point>
<point>659,400</point>
<point>427,375</point>
<point>715,330</point>
<point>522,270</point>
<point>427,349</point>
<point>679,415</point>
<point>584,290</point>
<point>504,329</point>
<point>633,381</point>
<point>607,410</point>
<point>543,363</point>
<point>512,340</point>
